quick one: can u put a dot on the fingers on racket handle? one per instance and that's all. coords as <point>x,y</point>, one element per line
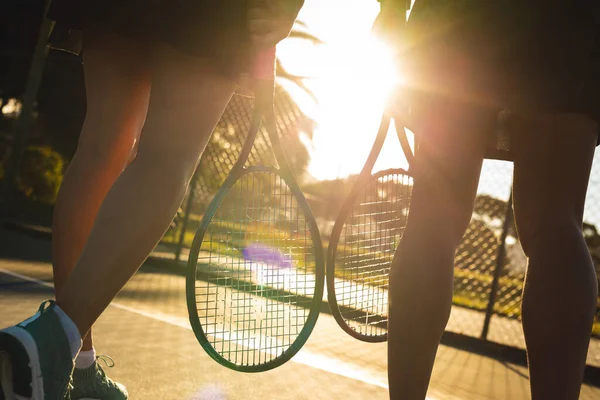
<point>264,64</point>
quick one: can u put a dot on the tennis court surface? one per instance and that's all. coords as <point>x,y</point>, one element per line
<point>147,332</point>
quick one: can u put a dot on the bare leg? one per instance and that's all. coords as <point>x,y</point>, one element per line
<point>187,100</point>
<point>421,279</point>
<point>106,145</point>
<point>553,158</point>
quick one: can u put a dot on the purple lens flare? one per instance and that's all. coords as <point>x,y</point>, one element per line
<point>260,253</point>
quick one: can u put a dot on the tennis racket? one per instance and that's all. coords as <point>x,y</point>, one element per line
<point>363,242</point>
<point>256,270</point>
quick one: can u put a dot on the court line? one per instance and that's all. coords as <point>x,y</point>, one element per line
<point>303,357</point>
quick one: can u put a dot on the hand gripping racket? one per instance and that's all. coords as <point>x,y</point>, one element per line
<point>256,271</point>
<point>363,242</point>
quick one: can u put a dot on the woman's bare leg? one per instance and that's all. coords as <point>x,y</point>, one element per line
<point>447,171</point>
<point>187,100</point>
<point>115,69</point>
<point>553,158</point>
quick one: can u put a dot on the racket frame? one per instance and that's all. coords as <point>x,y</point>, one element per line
<point>365,176</point>
<point>263,113</point>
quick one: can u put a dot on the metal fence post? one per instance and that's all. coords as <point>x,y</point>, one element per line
<point>186,216</point>
<point>25,120</point>
<point>501,256</point>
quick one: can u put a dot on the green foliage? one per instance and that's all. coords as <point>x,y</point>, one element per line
<point>230,238</point>
<point>40,174</point>
<point>466,280</point>
<point>229,136</point>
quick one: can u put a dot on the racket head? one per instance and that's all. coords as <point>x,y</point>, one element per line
<point>361,248</point>
<point>255,275</point>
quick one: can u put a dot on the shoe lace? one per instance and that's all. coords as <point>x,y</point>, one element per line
<point>70,388</point>
<point>108,361</point>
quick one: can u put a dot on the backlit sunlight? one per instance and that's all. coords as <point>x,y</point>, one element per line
<point>350,75</point>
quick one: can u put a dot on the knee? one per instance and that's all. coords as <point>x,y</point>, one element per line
<point>175,163</point>
<point>428,247</point>
<point>550,237</point>
<point>441,207</point>
<point>107,149</point>
<point>177,158</point>
<point>439,222</point>
<point>133,153</point>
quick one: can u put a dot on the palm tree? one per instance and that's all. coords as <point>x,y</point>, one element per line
<point>223,149</point>
<point>282,72</point>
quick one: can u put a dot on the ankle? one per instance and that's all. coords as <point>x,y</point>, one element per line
<point>85,359</point>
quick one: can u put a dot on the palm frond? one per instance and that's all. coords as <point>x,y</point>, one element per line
<point>305,36</point>
<point>296,79</point>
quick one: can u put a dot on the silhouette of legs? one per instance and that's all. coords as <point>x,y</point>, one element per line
<point>553,158</point>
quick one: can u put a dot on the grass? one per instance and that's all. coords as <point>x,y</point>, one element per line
<point>229,240</point>
<point>464,279</point>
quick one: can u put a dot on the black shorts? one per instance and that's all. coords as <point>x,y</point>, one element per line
<point>215,29</point>
<point>522,55</point>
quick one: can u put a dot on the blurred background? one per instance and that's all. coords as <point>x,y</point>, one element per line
<point>333,81</point>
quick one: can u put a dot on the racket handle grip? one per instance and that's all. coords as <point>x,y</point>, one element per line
<point>264,65</point>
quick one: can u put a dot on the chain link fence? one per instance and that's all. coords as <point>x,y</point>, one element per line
<point>504,325</point>
<point>489,265</point>
<point>223,150</point>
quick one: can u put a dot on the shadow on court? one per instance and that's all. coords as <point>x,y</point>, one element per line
<point>25,243</point>
<point>151,317</point>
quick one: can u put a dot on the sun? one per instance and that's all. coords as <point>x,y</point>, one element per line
<point>352,74</point>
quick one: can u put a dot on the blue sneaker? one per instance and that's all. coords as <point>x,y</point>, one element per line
<point>35,358</point>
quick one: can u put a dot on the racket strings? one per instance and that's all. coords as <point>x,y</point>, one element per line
<point>255,279</point>
<point>366,247</point>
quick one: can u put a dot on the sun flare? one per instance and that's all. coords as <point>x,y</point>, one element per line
<point>351,76</point>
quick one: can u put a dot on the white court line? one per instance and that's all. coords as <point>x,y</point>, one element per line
<point>303,357</point>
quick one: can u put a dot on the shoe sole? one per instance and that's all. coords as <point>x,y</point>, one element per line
<point>7,366</point>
